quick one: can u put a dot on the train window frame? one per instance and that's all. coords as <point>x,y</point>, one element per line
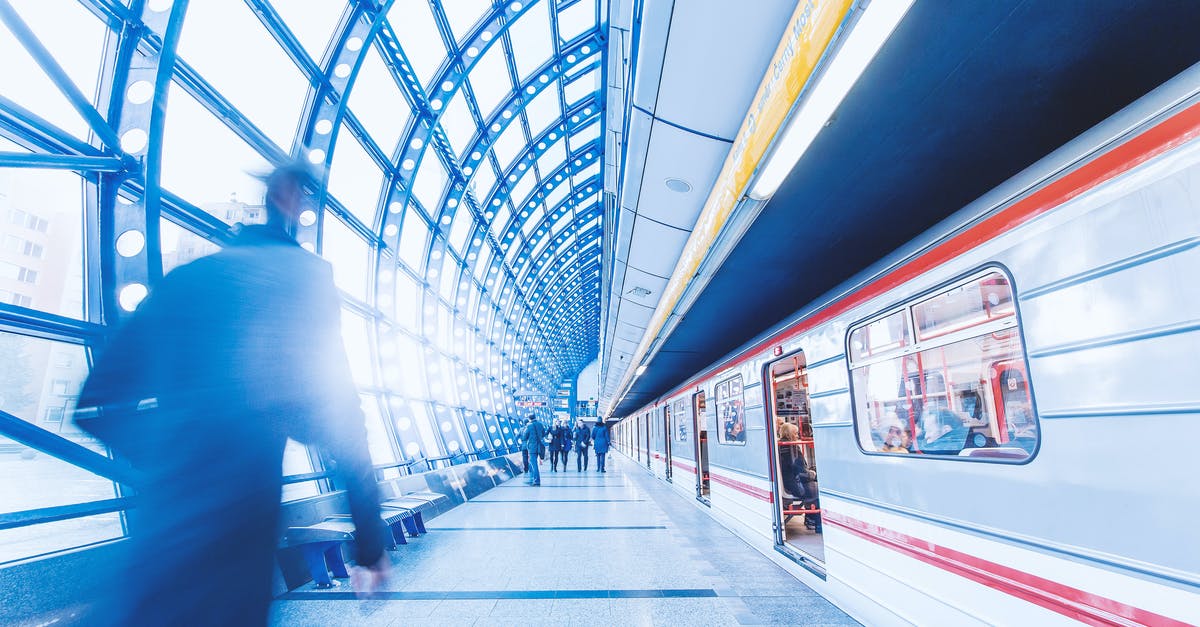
<point>740,400</point>
<point>1006,324</point>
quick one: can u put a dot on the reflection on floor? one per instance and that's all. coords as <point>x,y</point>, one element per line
<point>583,549</point>
<point>804,539</point>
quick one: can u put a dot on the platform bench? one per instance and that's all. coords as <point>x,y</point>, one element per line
<point>321,543</point>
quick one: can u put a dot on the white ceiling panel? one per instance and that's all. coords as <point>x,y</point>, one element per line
<point>655,247</point>
<point>655,26</point>
<point>624,234</point>
<point>717,54</point>
<point>630,313</point>
<point>642,288</point>
<point>637,145</point>
<point>677,154</point>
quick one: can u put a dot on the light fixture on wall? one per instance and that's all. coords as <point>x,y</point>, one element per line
<point>868,35</point>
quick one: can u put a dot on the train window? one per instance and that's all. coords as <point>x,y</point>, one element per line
<point>961,390</point>
<point>680,420</point>
<point>731,411</point>
<point>889,334</point>
<point>964,307</point>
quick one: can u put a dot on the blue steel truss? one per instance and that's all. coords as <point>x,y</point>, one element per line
<point>519,302</point>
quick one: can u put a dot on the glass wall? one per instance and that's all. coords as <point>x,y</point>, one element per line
<point>459,149</point>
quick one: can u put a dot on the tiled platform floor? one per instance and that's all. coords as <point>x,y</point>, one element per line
<point>583,549</point>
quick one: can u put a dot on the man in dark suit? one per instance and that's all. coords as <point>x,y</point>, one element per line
<point>531,442</point>
<point>228,357</point>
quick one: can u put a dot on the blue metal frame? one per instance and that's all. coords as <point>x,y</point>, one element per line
<point>123,192</point>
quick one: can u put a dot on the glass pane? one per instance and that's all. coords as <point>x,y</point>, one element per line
<point>464,14</point>
<point>430,182</point>
<point>423,422</point>
<point>296,461</point>
<point>585,135</point>
<point>358,348</point>
<point>731,414</point>
<point>407,300</point>
<point>510,144</point>
<point>412,366</point>
<point>379,443</point>
<point>978,302</point>
<point>521,191</point>
<point>39,383</point>
<point>969,398</point>
<point>180,246</point>
<point>419,37</point>
<point>450,278</point>
<point>483,263</point>
<point>458,123</point>
<point>531,41</point>
<point>414,237</point>
<point>312,23</point>
<point>24,542</point>
<point>543,110</point>
<point>378,103</point>
<point>463,221</point>
<point>552,157</point>
<point>206,163</point>
<point>490,80</point>
<point>888,334</point>
<point>574,20</point>
<point>485,180</point>
<point>41,240</point>
<point>76,40</point>
<point>349,255</point>
<point>582,87</point>
<point>355,178</point>
<point>584,176</point>
<point>249,68</point>
<point>556,196</point>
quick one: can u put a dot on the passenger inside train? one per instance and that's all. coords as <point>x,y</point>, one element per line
<point>799,507</point>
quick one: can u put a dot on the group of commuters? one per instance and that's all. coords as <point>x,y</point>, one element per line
<point>536,440</point>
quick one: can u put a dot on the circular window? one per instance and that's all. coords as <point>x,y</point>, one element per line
<point>130,243</point>
<point>140,92</point>
<point>131,296</point>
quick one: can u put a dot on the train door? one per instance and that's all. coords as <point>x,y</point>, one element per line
<point>649,418</point>
<point>797,512</point>
<point>637,437</point>
<point>666,431</point>
<point>699,427</point>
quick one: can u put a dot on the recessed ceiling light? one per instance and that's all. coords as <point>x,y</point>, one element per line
<point>678,185</point>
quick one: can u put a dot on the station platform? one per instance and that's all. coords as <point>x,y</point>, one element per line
<point>582,549</point>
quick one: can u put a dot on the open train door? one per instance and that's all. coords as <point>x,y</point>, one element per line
<point>794,463</point>
<point>667,435</point>
<point>701,431</point>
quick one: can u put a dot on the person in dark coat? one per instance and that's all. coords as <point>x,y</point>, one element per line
<point>600,439</point>
<point>560,445</point>
<point>198,391</point>
<point>581,436</point>
<point>531,442</point>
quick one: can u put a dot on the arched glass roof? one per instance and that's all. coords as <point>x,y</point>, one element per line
<point>460,148</point>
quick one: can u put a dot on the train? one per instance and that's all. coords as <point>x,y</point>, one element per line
<point>994,422</point>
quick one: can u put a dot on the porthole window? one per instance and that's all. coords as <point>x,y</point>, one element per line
<point>945,375</point>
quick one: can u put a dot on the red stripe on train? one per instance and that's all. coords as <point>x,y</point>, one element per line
<point>1071,602</point>
<point>1171,133</point>
<point>681,465</point>
<point>744,488</point>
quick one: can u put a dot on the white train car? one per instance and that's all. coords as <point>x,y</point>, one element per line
<point>1002,415</point>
